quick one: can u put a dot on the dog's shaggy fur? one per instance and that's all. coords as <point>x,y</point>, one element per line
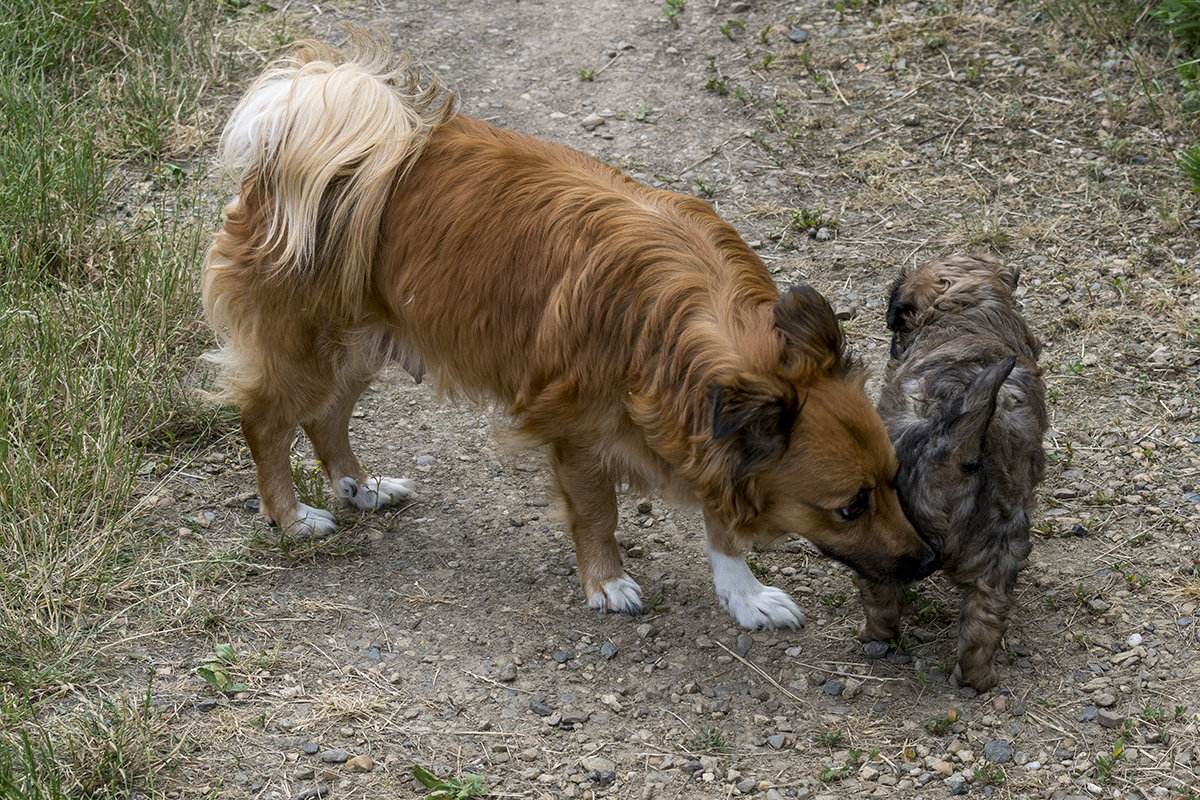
<point>630,330</point>
<point>965,406</point>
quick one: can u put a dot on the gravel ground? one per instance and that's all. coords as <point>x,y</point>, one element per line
<point>452,634</point>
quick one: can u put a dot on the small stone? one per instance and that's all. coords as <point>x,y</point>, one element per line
<point>608,651</point>
<point>776,742</point>
<point>834,687</point>
<point>1105,700</point>
<point>746,785</point>
<point>959,789</point>
<point>798,35</point>
<point>363,763</point>
<point>1134,640</point>
<point>704,643</point>
<point>744,643</point>
<point>597,764</point>
<point>539,707</point>
<point>645,630</point>
<point>334,756</point>
<point>562,656</point>
<point>875,649</point>
<point>206,705</point>
<point>508,673</point>
<point>575,717</point>
<point>1088,713</point>
<point>853,689</point>
<point>592,121</point>
<point>1109,718</point>
<point>823,234</point>
<point>309,748</point>
<point>644,506</point>
<point>426,461</point>
<point>998,751</point>
<point>253,505</point>
<point>739,7</point>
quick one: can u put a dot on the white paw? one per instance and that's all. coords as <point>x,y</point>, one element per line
<point>620,595</point>
<point>375,493</point>
<point>748,601</point>
<point>769,608</point>
<point>314,523</point>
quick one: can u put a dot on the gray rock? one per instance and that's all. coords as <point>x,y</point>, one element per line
<point>592,121</point>
<point>834,687</point>
<point>744,643</point>
<point>575,716</point>
<point>777,741</point>
<point>425,460</point>
<point>206,705</point>
<point>875,649</point>
<point>540,707</point>
<point>1109,718</point>
<point>608,651</point>
<point>1088,714</point>
<point>798,35</point>
<point>508,673</point>
<point>562,656</point>
<point>335,756</point>
<point>309,748</point>
<point>998,751</point>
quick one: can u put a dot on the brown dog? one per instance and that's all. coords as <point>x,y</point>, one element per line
<point>965,406</point>
<point>629,329</point>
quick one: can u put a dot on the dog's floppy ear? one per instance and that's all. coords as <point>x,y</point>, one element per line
<point>808,326</point>
<point>978,406</point>
<point>900,309</point>
<point>750,429</point>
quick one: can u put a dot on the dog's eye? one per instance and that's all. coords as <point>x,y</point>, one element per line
<point>857,507</point>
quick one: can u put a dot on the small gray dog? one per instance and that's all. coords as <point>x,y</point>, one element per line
<point>964,404</point>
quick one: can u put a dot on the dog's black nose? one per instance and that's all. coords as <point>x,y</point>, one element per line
<point>914,568</point>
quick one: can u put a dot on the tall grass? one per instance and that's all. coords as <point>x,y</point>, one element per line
<point>98,333</point>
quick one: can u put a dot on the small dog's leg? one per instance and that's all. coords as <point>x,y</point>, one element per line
<point>981,625</point>
<point>751,603</point>
<point>882,605</point>
<point>331,445</point>
<point>270,440</point>
<point>591,501</point>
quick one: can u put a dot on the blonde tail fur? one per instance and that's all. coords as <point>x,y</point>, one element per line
<point>315,147</point>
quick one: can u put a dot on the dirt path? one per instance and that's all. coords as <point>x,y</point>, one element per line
<point>453,634</point>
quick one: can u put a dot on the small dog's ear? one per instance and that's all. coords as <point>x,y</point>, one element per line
<point>808,326</point>
<point>978,406</point>
<point>901,306</point>
<point>1011,276</point>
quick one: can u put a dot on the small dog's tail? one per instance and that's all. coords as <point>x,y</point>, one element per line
<point>315,147</point>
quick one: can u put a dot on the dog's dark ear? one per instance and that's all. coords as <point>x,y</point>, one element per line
<point>978,406</point>
<point>1011,275</point>
<point>750,429</point>
<point>901,306</point>
<point>760,423</point>
<point>808,326</point>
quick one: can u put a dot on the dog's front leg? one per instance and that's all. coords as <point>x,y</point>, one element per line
<point>751,603</point>
<point>981,625</point>
<point>591,500</point>
<point>882,605</point>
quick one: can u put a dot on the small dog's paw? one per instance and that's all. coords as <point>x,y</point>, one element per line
<point>375,493</point>
<point>620,595</point>
<point>980,680</point>
<point>312,523</point>
<point>768,608</point>
<point>870,632</point>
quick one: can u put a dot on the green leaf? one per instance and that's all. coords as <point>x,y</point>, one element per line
<point>225,652</point>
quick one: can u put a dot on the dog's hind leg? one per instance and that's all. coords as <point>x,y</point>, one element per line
<point>981,624</point>
<point>330,438</point>
<point>591,500</point>
<point>751,603</point>
<point>882,605</point>
<point>270,436</point>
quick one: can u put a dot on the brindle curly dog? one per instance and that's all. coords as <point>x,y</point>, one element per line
<point>964,404</point>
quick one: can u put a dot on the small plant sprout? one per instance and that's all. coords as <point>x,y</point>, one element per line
<point>464,788</point>
<point>216,668</point>
<point>708,740</point>
<point>671,10</point>
<point>587,74</point>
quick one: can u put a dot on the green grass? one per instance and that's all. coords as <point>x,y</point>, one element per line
<point>101,240</point>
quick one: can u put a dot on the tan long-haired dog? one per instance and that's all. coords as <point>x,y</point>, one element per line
<point>630,330</point>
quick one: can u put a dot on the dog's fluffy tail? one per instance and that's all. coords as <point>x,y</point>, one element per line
<point>315,147</point>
